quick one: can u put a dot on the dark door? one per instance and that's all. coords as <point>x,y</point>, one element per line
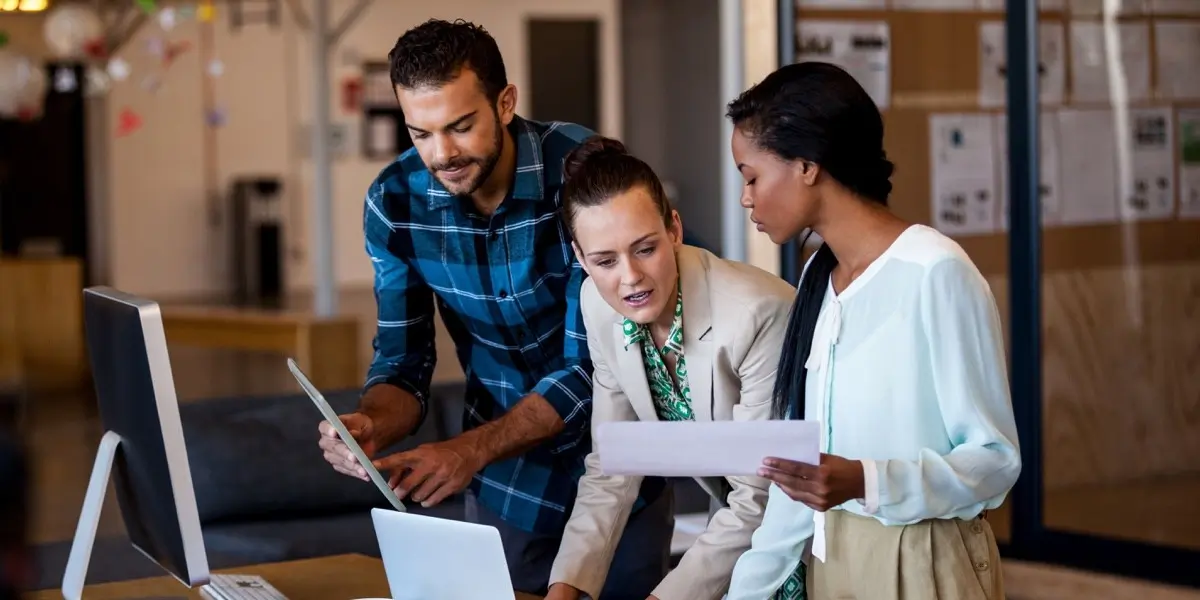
<point>43,181</point>
<point>564,70</point>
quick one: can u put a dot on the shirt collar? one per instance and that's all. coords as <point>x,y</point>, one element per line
<point>529,182</point>
<point>636,332</point>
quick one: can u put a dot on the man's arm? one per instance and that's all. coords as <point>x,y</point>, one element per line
<point>397,388</point>
<point>560,406</point>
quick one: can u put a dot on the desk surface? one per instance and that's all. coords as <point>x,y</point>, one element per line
<point>343,577</point>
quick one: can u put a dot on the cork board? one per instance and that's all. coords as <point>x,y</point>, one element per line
<point>935,69</point>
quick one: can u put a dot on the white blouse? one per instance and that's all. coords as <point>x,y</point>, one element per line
<point>908,374</point>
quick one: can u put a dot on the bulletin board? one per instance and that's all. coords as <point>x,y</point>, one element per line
<point>935,69</point>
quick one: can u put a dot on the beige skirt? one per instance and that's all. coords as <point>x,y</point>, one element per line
<point>938,559</point>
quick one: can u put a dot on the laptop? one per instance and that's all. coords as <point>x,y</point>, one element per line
<point>427,557</point>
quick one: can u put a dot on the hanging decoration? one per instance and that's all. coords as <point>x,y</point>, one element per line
<point>65,81</point>
<point>216,117</point>
<point>147,6</point>
<point>22,86</point>
<point>118,69</point>
<point>206,12</point>
<point>3,38</point>
<point>216,68</point>
<point>72,28</point>
<point>167,18</point>
<point>128,122</point>
<point>97,82</point>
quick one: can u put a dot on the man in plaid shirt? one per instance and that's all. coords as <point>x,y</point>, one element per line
<point>469,220</point>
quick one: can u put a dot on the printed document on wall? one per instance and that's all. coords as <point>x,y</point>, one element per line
<point>1049,176</point>
<point>1175,7</point>
<point>862,48</point>
<point>993,64</point>
<point>1147,187</point>
<point>1098,7</point>
<point>963,178</point>
<point>842,4</point>
<point>1177,49</point>
<point>1189,164</point>
<point>1087,163</point>
<point>938,5</point>
<point>1092,75</point>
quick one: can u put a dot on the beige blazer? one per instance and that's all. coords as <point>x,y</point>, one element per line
<point>734,318</point>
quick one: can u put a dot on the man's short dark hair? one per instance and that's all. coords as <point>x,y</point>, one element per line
<point>436,51</point>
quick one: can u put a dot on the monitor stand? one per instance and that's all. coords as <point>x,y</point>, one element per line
<point>89,518</point>
<point>75,575</point>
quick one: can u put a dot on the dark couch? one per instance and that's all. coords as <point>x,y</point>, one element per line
<point>265,494</point>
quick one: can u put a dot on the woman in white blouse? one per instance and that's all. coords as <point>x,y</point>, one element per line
<point>894,346</point>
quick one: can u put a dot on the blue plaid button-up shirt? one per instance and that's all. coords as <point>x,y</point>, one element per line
<point>507,288</point>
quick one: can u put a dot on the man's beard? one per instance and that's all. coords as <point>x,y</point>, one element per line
<point>486,165</point>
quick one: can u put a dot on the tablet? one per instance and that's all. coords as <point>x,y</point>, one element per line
<point>332,416</point>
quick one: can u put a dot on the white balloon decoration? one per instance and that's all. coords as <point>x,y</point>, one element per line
<point>22,86</point>
<point>70,28</point>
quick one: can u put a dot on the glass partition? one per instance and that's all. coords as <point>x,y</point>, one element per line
<point>1087,227</point>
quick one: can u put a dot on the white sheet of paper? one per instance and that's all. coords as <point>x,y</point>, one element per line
<point>938,5</point>
<point>1177,50</point>
<point>1090,72</point>
<point>1087,155</point>
<point>1175,7</point>
<point>999,5</point>
<point>862,48</point>
<point>703,448</point>
<point>1098,7</point>
<point>1189,164</point>
<point>993,63</point>
<point>842,4</point>
<point>1148,191</point>
<point>962,162</point>
<point>1050,177</point>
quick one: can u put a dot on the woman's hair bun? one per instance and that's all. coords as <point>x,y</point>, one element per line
<point>593,148</point>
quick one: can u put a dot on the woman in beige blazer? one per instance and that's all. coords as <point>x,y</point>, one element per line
<point>675,333</point>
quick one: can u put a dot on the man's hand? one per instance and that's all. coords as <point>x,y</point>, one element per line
<point>362,428</point>
<point>562,591</point>
<point>431,472</point>
<point>832,483</point>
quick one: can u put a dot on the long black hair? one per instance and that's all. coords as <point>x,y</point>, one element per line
<point>814,112</point>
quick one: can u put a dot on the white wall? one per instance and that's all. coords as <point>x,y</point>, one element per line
<point>162,241</point>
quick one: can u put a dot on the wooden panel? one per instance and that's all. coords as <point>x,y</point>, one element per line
<point>325,349</point>
<point>47,300</point>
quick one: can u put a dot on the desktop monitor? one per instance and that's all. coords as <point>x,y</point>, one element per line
<point>143,447</point>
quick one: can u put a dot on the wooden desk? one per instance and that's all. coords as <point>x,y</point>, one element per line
<point>344,577</point>
<point>326,349</point>
<point>41,323</point>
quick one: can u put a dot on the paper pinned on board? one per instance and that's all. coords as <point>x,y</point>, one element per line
<point>843,4</point>
<point>962,173</point>
<point>862,48</point>
<point>1091,75</point>
<point>1048,171</point>
<point>703,448</point>
<point>1088,160</point>
<point>1148,191</point>
<point>1175,7</point>
<point>993,64</point>
<point>1177,50</point>
<point>1189,164</point>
